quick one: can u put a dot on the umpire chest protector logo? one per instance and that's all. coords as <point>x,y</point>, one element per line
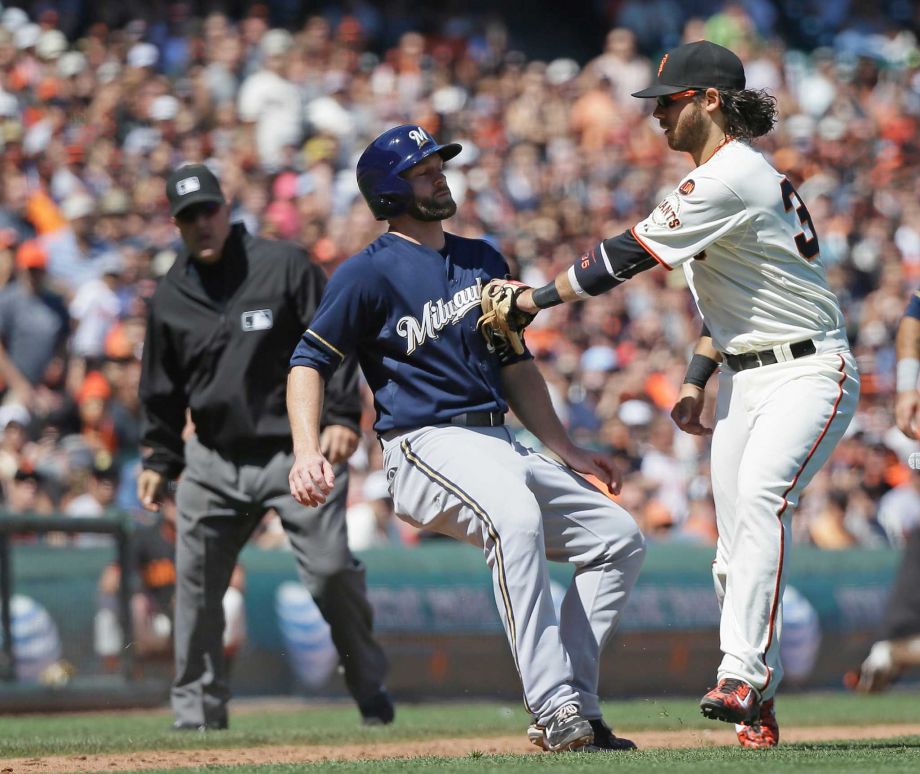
<point>257,320</point>
<point>437,315</point>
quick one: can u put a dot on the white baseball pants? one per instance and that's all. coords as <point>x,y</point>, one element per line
<point>776,425</point>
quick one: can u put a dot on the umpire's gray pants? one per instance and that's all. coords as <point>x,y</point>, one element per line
<point>220,502</point>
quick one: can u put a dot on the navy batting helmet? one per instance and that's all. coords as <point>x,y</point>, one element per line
<point>386,158</point>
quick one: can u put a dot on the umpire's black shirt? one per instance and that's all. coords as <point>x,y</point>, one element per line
<point>219,339</point>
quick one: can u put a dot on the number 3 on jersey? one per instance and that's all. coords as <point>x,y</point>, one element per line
<point>807,239</point>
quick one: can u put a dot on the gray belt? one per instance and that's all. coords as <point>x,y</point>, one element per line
<point>466,419</point>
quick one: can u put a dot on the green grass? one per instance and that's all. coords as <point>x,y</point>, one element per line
<point>894,755</point>
<point>89,734</point>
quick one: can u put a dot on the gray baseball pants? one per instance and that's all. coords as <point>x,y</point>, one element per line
<point>220,502</point>
<point>522,509</point>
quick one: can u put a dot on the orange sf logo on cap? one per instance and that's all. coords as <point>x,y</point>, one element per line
<point>661,65</point>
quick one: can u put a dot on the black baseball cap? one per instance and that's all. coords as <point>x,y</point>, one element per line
<point>192,184</point>
<point>700,65</point>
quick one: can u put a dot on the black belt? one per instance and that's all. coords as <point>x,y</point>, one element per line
<point>768,356</point>
<point>479,419</point>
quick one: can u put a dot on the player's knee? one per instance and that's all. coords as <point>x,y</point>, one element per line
<point>631,545</point>
<point>624,550</point>
<point>622,536</point>
<point>637,544</point>
<point>623,553</point>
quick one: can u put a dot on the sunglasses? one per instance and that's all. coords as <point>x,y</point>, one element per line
<point>668,99</point>
<point>191,213</point>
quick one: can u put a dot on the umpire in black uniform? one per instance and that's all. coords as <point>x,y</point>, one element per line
<point>221,327</point>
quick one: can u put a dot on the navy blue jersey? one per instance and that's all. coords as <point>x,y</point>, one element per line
<point>913,308</point>
<point>409,313</point>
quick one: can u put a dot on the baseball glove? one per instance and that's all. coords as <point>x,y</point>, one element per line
<point>502,323</point>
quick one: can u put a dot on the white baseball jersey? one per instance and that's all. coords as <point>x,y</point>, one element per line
<point>751,257</point>
<point>749,251</point>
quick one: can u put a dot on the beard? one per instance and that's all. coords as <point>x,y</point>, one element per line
<point>691,133</point>
<point>431,209</point>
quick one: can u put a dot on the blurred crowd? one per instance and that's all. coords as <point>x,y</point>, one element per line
<point>556,155</point>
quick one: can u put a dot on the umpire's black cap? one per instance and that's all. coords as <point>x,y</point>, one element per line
<point>192,184</point>
<point>700,65</point>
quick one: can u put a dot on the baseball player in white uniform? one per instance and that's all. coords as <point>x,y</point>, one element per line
<point>788,385</point>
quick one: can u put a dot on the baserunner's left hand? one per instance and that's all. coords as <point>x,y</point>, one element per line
<point>593,463</point>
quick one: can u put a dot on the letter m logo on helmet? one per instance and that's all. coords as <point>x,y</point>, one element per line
<point>381,166</point>
<point>420,136</point>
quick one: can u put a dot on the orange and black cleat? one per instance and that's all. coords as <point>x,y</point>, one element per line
<point>733,701</point>
<point>761,733</point>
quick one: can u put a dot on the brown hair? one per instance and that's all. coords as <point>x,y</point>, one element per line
<point>748,113</point>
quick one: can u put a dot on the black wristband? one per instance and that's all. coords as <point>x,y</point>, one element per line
<point>546,296</point>
<point>699,370</point>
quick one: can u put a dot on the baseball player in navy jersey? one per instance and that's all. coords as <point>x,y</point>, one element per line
<point>898,646</point>
<point>788,385</point>
<point>408,305</point>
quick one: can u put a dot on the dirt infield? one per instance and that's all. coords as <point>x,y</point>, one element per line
<point>151,759</point>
